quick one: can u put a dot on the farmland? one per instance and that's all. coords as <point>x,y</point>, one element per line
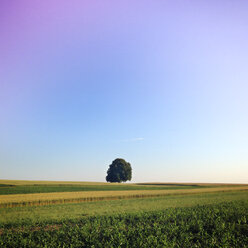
<point>49,188</point>
<point>129,215</point>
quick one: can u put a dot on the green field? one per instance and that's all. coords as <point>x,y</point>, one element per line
<point>197,219</point>
<point>28,189</point>
<point>221,225</point>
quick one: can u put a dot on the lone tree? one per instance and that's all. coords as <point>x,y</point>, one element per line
<point>119,171</point>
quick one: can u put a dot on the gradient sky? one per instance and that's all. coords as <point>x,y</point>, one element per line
<point>162,84</point>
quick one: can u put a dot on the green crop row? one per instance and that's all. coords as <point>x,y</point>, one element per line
<point>29,189</point>
<point>221,225</point>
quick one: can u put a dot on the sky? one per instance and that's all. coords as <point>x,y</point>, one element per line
<point>161,84</point>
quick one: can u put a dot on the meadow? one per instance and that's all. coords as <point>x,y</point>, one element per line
<point>154,215</point>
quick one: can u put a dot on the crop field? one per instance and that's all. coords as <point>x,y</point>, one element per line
<point>6,189</point>
<point>124,215</point>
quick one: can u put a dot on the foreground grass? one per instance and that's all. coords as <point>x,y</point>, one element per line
<point>33,215</point>
<point>218,225</point>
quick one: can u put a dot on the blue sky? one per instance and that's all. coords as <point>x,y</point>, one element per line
<point>162,84</point>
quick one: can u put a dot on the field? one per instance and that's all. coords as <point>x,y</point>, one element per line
<point>81,214</point>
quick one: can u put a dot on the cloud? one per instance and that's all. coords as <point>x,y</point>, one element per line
<point>132,140</point>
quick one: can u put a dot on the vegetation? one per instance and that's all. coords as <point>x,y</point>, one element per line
<point>119,171</point>
<point>130,215</point>
<point>221,225</point>
<point>32,182</point>
<point>28,189</point>
<point>57,213</point>
<point>66,197</point>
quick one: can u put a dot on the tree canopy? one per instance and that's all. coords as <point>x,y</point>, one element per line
<point>119,171</point>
